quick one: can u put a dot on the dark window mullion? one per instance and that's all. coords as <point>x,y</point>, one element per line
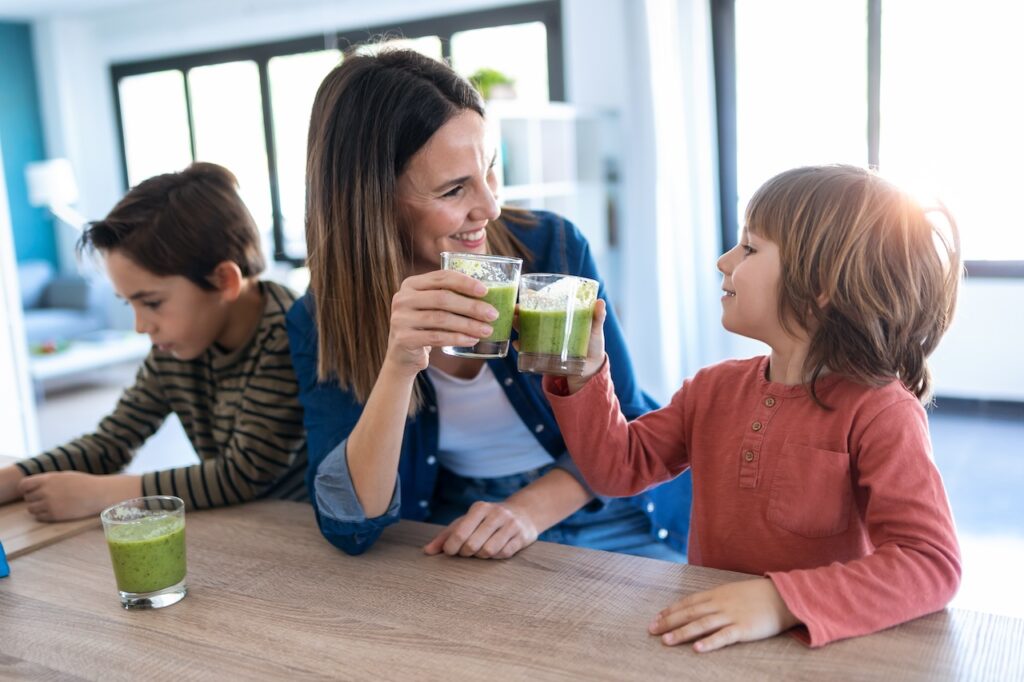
<point>874,79</point>
<point>446,47</point>
<point>723,38</point>
<point>268,136</point>
<point>188,110</point>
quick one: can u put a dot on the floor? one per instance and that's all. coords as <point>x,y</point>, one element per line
<point>979,449</point>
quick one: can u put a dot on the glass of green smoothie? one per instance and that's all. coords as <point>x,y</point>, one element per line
<point>146,538</point>
<point>555,314</point>
<point>501,276</point>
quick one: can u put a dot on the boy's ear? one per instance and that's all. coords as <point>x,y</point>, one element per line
<point>227,277</point>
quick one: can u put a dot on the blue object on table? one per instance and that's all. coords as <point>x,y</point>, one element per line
<point>5,570</point>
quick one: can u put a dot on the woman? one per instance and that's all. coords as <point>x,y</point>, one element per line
<point>399,171</point>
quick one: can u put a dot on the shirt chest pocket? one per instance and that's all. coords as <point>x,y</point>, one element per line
<point>811,492</point>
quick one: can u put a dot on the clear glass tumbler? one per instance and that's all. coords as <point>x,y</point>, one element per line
<point>501,276</point>
<point>146,538</point>
<point>555,315</point>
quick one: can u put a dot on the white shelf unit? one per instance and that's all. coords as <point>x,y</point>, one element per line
<point>556,157</point>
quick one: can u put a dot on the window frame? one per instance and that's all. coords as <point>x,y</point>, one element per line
<point>548,12</point>
<point>723,36</point>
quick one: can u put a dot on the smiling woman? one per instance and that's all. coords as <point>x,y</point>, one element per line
<point>400,170</point>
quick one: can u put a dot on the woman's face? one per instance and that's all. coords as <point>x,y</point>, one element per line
<point>446,194</point>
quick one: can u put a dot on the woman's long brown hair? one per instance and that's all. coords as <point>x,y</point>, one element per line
<point>371,114</point>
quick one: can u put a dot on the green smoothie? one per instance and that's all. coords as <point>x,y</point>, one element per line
<point>148,555</point>
<point>542,332</point>
<point>503,297</point>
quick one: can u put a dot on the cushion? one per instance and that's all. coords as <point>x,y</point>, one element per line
<point>69,292</point>
<point>33,276</point>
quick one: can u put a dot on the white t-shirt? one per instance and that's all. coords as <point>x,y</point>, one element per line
<point>480,434</point>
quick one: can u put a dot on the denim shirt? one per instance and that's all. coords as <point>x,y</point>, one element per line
<point>331,413</point>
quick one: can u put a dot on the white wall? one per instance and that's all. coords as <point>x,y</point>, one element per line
<point>981,357</point>
<point>17,409</point>
<point>604,63</point>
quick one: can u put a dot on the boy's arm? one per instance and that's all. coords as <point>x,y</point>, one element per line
<point>618,458</point>
<point>139,413</point>
<point>267,437</point>
<point>915,568</point>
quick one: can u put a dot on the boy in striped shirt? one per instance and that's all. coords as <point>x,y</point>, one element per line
<point>184,252</point>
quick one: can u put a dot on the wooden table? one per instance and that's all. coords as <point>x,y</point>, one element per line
<point>21,533</point>
<point>270,599</point>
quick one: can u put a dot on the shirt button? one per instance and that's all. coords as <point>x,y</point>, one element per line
<point>748,455</point>
<point>431,460</point>
<point>662,534</point>
<point>538,428</point>
<point>650,507</point>
<point>432,408</point>
<point>769,402</point>
<point>424,504</point>
<point>508,381</point>
<point>756,426</point>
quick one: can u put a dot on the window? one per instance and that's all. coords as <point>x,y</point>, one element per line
<point>294,80</point>
<point>915,87</point>
<point>227,125</point>
<point>155,122</point>
<point>248,108</point>
<point>950,121</point>
<point>800,87</point>
<point>517,51</point>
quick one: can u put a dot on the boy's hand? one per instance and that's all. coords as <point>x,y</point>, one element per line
<point>595,351</point>
<point>489,530</point>
<point>9,478</point>
<point>737,612</point>
<point>66,495</point>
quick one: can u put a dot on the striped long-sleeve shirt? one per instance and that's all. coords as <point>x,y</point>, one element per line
<point>240,410</point>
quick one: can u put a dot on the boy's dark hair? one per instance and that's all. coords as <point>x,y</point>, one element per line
<point>184,223</point>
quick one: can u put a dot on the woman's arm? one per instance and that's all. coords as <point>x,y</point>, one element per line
<point>497,530</point>
<point>354,449</point>
<point>435,309</point>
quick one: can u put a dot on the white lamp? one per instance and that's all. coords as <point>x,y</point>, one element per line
<point>52,184</point>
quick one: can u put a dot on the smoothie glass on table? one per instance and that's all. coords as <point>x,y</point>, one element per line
<point>501,276</point>
<point>555,315</point>
<point>146,538</point>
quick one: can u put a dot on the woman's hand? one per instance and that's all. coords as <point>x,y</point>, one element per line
<point>440,308</point>
<point>489,530</point>
<point>66,495</point>
<point>595,349</point>
<point>737,612</point>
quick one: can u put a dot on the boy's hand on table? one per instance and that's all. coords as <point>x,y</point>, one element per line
<point>489,530</point>
<point>737,612</point>
<point>9,478</point>
<point>66,495</point>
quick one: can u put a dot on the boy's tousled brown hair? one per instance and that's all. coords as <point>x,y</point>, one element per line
<point>371,115</point>
<point>184,224</point>
<point>865,268</point>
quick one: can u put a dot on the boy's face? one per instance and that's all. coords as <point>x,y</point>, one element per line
<point>752,273</point>
<point>179,317</point>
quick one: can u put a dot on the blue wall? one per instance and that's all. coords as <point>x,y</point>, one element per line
<point>21,135</point>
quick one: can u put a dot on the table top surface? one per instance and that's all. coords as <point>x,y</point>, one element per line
<point>269,598</point>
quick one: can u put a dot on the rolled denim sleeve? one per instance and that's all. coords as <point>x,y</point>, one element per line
<point>336,495</point>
